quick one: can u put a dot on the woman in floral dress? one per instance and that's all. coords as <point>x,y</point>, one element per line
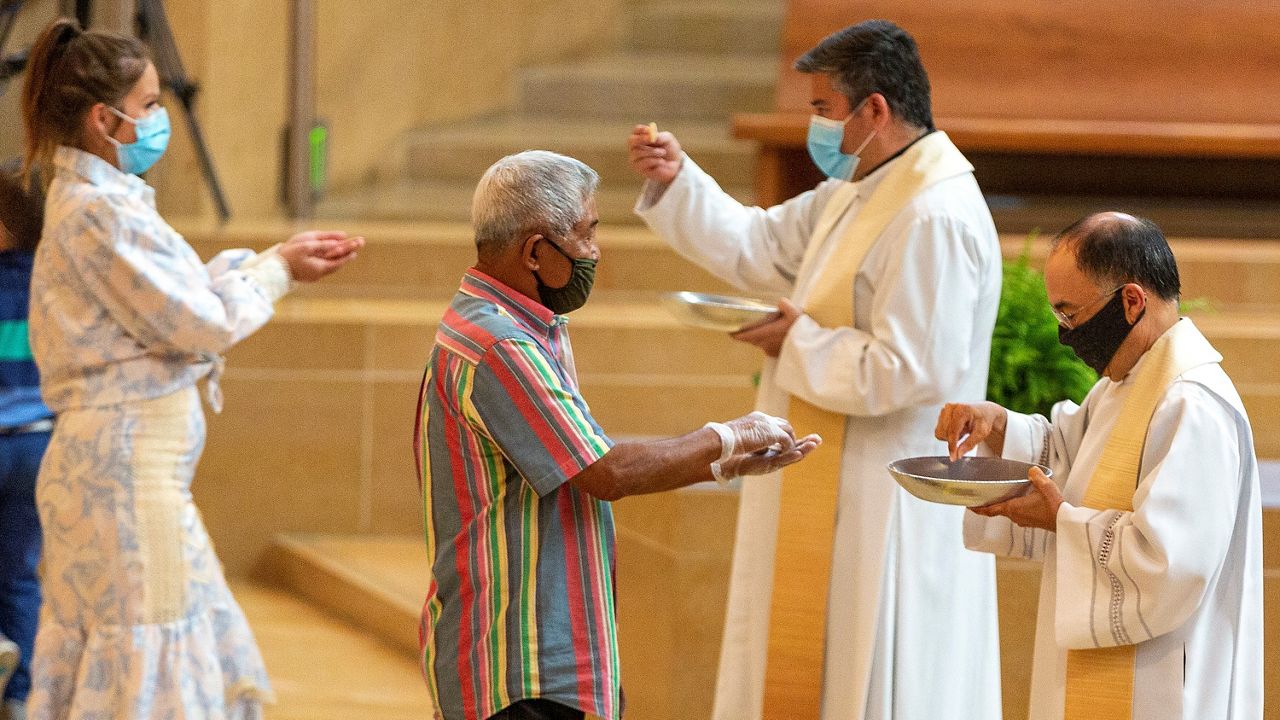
<point>125,319</point>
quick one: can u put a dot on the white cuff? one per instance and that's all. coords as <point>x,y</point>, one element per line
<point>652,192</point>
<point>1022,440</point>
<point>270,271</point>
<point>727,446</point>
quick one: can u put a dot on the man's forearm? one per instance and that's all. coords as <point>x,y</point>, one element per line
<point>637,468</point>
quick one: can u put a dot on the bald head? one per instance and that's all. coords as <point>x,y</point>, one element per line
<point>1113,248</point>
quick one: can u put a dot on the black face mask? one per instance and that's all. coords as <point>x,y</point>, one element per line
<point>574,294</point>
<point>1096,341</point>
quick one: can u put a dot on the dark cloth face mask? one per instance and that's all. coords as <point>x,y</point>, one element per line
<point>1096,341</point>
<point>574,294</point>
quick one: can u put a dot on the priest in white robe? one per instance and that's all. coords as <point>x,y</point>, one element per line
<point>889,279</point>
<point>1166,574</point>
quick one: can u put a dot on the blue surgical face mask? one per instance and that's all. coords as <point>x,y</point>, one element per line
<point>825,138</point>
<point>153,138</point>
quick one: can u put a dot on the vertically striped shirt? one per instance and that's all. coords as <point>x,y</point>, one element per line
<point>521,599</point>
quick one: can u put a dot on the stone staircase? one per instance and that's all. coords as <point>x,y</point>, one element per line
<point>671,66</point>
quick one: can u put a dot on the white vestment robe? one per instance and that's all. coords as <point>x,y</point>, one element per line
<point>911,626</point>
<point>1180,576</point>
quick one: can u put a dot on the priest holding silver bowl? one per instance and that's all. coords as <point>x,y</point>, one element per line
<point>1150,528</point>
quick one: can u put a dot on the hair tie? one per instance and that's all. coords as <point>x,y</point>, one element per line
<point>70,31</point>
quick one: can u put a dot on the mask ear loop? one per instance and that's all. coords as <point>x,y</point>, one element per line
<point>122,117</point>
<point>853,112</point>
<point>865,143</point>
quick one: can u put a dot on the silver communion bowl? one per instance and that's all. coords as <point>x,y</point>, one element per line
<point>969,481</point>
<point>716,312</point>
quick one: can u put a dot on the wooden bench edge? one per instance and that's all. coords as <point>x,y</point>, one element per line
<point>1117,138</point>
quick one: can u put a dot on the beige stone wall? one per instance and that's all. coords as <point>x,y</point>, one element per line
<point>383,66</point>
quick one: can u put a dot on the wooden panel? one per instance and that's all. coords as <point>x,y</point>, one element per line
<point>1142,79</point>
<point>1137,60</point>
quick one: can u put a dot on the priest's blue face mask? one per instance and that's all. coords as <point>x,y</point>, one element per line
<point>825,138</point>
<point>153,139</point>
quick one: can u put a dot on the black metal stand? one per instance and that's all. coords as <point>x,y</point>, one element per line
<point>154,29</point>
<point>153,25</point>
<point>10,64</point>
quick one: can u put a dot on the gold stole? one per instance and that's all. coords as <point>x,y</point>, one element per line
<point>1100,681</point>
<point>806,520</point>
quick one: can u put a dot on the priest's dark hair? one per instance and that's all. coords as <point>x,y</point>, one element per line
<point>875,56</point>
<point>1113,248</point>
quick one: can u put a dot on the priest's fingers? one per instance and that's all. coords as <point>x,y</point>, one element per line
<point>768,335</point>
<point>991,510</point>
<point>975,427</point>
<point>788,309</point>
<point>977,433</point>
<point>1044,485</point>
<point>943,430</point>
<point>746,331</point>
<point>957,422</point>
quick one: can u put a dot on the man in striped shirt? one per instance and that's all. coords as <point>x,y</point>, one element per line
<point>517,477</point>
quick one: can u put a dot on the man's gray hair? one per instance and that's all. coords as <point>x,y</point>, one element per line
<point>532,192</point>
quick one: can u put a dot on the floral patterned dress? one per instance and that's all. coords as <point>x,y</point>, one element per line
<point>125,319</point>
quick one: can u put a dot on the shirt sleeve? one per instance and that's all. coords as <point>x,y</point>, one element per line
<point>152,283</point>
<point>524,401</point>
<point>908,356</point>
<point>757,250</point>
<point>1148,570</point>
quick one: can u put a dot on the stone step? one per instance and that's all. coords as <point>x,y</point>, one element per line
<point>462,152</point>
<point>707,27</point>
<point>423,260</point>
<point>642,371</point>
<point>650,86</point>
<point>374,582</point>
<point>615,343</point>
<point>443,201</point>
<point>426,260</point>
<point>1225,274</point>
<point>323,668</point>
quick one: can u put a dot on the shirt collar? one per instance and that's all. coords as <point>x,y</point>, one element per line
<point>527,311</point>
<point>873,178</point>
<point>98,172</point>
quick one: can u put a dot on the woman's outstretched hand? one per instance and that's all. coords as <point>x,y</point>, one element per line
<point>313,254</point>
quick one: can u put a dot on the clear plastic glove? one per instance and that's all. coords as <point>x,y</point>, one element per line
<point>759,431</point>
<point>766,461</point>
